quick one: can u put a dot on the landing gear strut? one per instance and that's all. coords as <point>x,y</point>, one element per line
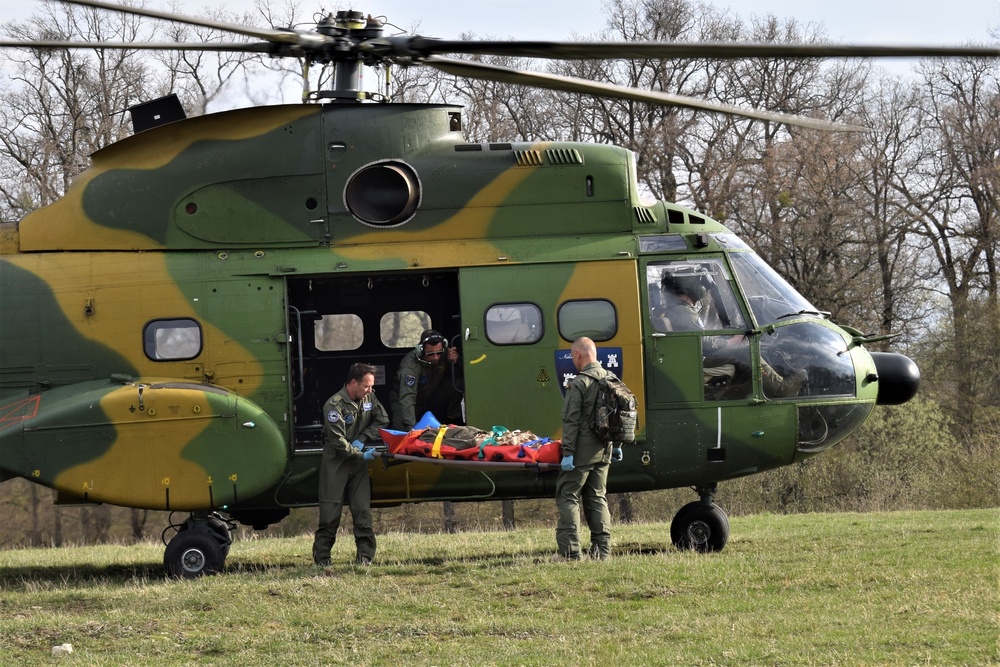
<point>701,525</point>
<point>200,546</point>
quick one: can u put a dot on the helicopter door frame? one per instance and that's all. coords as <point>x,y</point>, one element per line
<point>515,379</point>
<point>678,372</point>
<point>335,320</point>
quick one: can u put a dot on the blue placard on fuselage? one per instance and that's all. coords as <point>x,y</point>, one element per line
<point>609,357</point>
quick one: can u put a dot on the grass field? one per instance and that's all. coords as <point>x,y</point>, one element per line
<point>914,588</point>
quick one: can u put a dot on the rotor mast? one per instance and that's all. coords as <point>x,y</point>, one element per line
<point>346,30</point>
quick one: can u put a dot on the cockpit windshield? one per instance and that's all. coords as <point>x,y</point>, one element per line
<point>770,298</point>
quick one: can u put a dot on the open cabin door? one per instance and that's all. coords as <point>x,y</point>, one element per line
<point>335,321</point>
<point>518,320</point>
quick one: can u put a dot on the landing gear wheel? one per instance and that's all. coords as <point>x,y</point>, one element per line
<point>221,528</point>
<point>700,526</point>
<point>193,553</point>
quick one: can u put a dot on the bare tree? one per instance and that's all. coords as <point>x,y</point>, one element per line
<point>953,194</point>
<point>62,105</point>
<point>200,77</point>
<point>788,190</point>
<point>657,135</point>
<point>898,298</point>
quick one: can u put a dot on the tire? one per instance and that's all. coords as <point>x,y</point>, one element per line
<point>192,554</point>
<point>701,527</point>
<point>221,529</point>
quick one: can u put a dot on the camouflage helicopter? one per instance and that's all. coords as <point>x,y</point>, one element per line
<point>172,325</point>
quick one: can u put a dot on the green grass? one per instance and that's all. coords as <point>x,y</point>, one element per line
<point>911,588</point>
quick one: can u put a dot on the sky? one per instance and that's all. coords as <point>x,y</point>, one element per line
<point>933,22</point>
<point>893,21</point>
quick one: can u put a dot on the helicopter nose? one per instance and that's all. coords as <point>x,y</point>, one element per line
<point>898,378</point>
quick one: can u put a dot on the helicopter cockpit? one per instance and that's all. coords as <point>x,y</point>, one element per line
<point>792,339</point>
<point>800,354</point>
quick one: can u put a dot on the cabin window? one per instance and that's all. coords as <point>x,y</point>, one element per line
<point>172,340</point>
<point>726,369</point>
<point>594,318</point>
<point>514,324</point>
<point>403,328</point>
<point>336,333</point>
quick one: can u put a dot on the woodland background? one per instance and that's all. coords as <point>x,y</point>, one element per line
<point>894,230</point>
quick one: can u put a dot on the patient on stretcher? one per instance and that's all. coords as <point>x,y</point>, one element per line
<point>430,439</point>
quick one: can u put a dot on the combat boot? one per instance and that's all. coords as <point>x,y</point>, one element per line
<point>599,552</point>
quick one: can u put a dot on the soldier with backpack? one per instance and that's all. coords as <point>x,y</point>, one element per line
<point>586,458</point>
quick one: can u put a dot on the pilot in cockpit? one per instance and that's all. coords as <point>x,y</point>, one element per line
<point>689,305</point>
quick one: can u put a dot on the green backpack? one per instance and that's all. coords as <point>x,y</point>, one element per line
<point>615,413</point>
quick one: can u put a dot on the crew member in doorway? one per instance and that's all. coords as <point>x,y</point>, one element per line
<point>426,382</point>
<point>351,420</point>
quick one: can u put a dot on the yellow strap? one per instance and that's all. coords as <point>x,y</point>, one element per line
<point>436,451</point>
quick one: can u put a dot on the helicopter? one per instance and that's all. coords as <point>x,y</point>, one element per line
<point>173,324</point>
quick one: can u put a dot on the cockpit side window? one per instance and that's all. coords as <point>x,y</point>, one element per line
<point>698,295</point>
<point>692,295</point>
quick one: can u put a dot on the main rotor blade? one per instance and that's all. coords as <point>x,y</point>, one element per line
<point>687,50</point>
<point>567,84</point>
<point>252,47</point>
<point>289,36</point>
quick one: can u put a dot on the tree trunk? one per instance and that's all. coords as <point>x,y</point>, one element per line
<point>34,536</point>
<point>507,514</point>
<point>137,522</point>
<point>450,523</point>
<point>57,527</point>
<point>625,511</point>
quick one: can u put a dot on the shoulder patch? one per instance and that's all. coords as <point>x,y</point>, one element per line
<point>333,416</point>
<point>409,380</point>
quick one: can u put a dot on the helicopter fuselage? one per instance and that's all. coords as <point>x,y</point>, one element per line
<point>172,326</point>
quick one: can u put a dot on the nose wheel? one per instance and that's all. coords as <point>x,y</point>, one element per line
<point>200,546</point>
<point>700,526</point>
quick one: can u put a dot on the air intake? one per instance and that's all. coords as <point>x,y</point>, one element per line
<point>643,216</point>
<point>564,156</point>
<point>528,158</point>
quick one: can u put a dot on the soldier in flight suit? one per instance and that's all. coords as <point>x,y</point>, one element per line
<point>351,420</point>
<point>585,461</point>
<point>424,383</point>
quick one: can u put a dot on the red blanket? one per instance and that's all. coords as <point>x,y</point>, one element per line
<point>448,442</point>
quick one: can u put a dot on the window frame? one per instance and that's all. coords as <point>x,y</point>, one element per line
<point>151,328</point>
<point>511,304</point>
<point>614,311</point>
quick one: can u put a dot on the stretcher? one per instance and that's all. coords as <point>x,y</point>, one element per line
<point>429,441</point>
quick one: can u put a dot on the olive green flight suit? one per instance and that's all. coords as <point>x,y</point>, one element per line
<point>424,387</point>
<point>343,472</point>
<point>588,479</point>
